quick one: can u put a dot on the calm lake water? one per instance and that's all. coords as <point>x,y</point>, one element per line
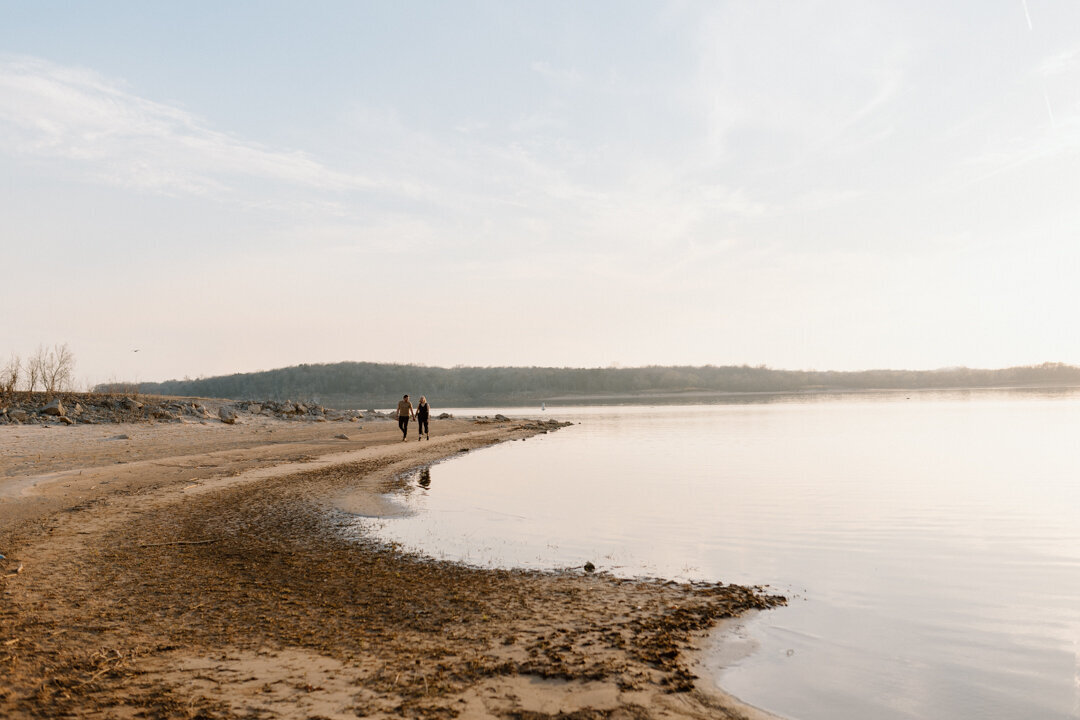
<point>929,545</point>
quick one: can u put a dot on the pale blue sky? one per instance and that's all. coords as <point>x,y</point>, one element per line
<point>841,185</point>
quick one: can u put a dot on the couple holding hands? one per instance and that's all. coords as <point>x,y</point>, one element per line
<point>405,412</point>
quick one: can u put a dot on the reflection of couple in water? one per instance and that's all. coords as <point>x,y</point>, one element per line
<point>405,412</point>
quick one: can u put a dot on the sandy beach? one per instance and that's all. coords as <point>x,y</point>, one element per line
<point>204,570</point>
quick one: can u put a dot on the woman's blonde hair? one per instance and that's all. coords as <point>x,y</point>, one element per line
<point>423,399</point>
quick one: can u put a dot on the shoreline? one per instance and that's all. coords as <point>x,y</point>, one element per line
<point>190,571</point>
<point>644,398</point>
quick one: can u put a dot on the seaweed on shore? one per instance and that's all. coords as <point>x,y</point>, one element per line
<point>262,569</point>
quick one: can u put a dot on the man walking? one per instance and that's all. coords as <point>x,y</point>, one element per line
<point>404,412</point>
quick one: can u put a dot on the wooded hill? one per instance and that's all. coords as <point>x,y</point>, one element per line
<point>376,385</point>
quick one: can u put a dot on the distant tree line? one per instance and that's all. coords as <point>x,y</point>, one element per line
<point>362,384</point>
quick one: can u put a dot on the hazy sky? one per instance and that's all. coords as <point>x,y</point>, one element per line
<point>246,185</point>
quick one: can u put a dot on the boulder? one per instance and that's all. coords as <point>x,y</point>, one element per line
<point>18,414</point>
<point>77,410</point>
<point>342,436</point>
<point>66,420</point>
<point>501,418</point>
<point>254,408</point>
<point>54,408</point>
<point>227,415</point>
<point>444,416</point>
<point>131,404</point>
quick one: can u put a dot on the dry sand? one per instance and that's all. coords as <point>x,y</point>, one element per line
<point>206,571</point>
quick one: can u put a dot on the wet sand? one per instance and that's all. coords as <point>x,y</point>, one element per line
<point>206,571</point>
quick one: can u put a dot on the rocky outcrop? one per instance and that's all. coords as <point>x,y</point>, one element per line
<point>55,408</point>
<point>98,408</point>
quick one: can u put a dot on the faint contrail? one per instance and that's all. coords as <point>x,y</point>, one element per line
<point>1026,13</point>
<point>1053,123</point>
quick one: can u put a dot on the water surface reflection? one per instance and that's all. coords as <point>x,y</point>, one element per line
<point>930,546</point>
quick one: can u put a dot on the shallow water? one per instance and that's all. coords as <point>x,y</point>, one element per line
<point>929,546</point>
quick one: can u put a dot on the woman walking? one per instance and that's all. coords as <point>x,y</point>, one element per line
<point>422,412</point>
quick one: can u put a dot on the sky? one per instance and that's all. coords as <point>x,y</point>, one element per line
<point>201,188</point>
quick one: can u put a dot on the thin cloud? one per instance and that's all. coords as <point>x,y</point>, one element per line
<point>56,112</point>
<point>557,76</point>
<point>1061,139</point>
<point>1059,63</point>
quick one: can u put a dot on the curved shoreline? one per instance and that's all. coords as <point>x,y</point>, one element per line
<point>197,578</point>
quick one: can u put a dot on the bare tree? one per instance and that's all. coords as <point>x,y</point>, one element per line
<point>9,377</point>
<point>35,368</point>
<point>57,370</point>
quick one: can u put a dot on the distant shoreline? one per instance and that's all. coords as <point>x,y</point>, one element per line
<point>367,385</point>
<point>689,395</point>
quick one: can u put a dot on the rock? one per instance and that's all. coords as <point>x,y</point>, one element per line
<point>131,404</point>
<point>502,418</point>
<point>66,420</point>
<point>589,567</point>
<point>119,437</point>
<point>77,410</point>
<point>444,416</point>
<point>254,408</point>
<point>18,414</point>
<point>227,415</point>
<point>55,408</point>
<point>341,436</point>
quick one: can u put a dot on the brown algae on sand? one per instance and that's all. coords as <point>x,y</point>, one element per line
<point>249,600</point>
